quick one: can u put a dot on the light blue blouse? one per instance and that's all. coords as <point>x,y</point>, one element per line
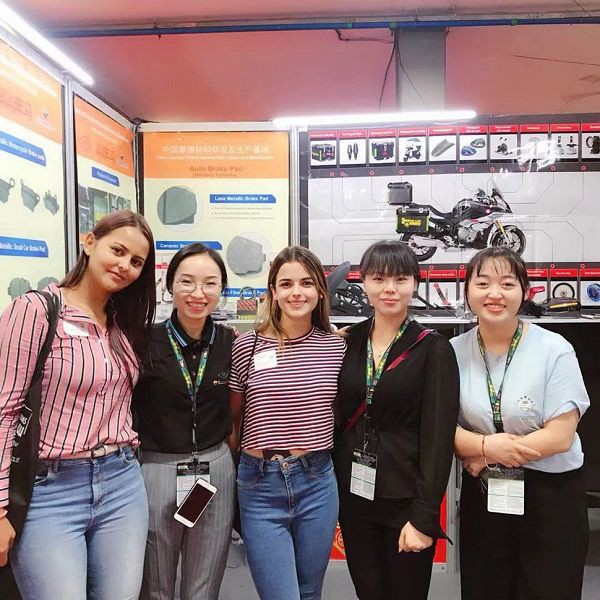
<point>543,381</point>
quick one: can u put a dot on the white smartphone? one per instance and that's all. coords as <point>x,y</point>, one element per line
<point>195,502</point>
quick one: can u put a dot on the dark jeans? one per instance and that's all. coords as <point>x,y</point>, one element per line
<point>537,556</point>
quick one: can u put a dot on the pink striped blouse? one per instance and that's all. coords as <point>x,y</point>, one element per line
<point>86,394</point>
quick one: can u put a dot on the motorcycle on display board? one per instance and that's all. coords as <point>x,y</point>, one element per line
<point>476,223</point>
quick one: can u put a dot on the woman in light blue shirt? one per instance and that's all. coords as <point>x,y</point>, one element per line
<point>523,512</point>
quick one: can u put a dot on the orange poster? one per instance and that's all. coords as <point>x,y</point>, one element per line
<point>216,155</point>
<point>29,96</point>
<point>103,140</point>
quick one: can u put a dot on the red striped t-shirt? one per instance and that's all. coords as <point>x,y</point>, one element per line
<point>290,404</point>
<point>86,394</point>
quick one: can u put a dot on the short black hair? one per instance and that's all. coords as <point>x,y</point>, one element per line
<point>500,254</point>
<point>192,250</point>
<point>390,257</point>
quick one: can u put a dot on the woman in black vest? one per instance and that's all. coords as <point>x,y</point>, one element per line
<point>181,411</point>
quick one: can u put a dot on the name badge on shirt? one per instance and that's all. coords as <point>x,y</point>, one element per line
<point>364,472</point>
<point>265,360</point>
<point>187,475</point>
<point>506,491</point>
<point>75,330</point>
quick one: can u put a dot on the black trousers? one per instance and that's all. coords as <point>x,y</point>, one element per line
<point>378,570</point>
<point>537,556</point>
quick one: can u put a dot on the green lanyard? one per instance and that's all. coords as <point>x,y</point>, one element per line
<point>192,387</point>
<point>374,373</point>
<point>496,396</point>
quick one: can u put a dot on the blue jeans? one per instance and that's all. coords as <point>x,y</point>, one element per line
<point>289,511</point>
<point>85,533</point>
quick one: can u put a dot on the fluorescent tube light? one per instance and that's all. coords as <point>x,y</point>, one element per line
<point>12,20</point>
<point>364,118</point>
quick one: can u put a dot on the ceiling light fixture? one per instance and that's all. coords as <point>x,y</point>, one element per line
<point>12,20</point>
<point>372,118</point>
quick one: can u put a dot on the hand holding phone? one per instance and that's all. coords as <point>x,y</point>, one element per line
<point>195,503</point>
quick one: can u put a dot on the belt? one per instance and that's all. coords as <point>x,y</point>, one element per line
<point>98,452</point>
<point>269,454</point>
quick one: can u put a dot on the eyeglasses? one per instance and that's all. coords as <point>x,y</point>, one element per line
<point>210,288</point>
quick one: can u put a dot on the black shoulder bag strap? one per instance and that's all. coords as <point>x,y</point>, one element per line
<point>26,447</point>
<point>246,387</point>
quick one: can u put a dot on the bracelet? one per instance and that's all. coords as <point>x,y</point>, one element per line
<point>483,451</point>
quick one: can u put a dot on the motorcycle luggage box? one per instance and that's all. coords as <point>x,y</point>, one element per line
<point>399,192</point>
<point>412,219</point>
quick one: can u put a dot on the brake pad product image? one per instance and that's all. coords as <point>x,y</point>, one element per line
<point>51,202</point>
<point>29,196</point>
<point>245,255</point>
<point>44,282</point>
<point>5,187</point>
<point>17,287</point>
<point>177,206</point>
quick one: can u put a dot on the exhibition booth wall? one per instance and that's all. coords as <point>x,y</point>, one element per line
<point>247,189</point>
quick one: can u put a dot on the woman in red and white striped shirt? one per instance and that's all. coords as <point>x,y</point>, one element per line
<point>284,376</point>
<point>86,526</point>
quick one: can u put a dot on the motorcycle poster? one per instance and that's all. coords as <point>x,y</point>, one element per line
<point>539,199</point>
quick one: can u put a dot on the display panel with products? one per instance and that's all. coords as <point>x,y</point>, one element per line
<point>32,185</point>
<point>105,165</point>
<point>527,182</point>
<point>229,190</point>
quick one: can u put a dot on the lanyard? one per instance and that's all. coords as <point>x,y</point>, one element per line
<point>496,396</point>
<point>192,387</point>
<point>374,373</point>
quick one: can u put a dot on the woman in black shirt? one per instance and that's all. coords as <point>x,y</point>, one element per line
<point>396,411</point>
<point>181,411</point>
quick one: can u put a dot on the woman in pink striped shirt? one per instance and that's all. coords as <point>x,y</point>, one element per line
<point>85,532</point>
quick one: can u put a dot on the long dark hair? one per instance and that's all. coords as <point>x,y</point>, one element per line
<point>272,313</point>
<point>131,308</point>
